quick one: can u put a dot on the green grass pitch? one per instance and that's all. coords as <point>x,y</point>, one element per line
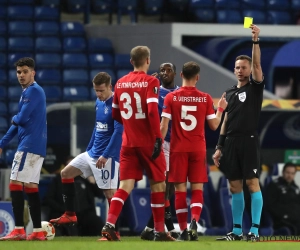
<point>135,243</point>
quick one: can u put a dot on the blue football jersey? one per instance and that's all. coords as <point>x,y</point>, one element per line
<point>162,94</point>
<point>106,139</point>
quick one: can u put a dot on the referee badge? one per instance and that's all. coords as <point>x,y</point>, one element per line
<point>155,90</point>
<point>242,96</point>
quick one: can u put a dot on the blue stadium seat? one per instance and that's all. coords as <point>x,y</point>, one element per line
<point>49,76</point>
<point>122,61</point>
<point>14,93</point>
<point>127,7</point>
<point>229,16</point>
<point>75,77</point>
<point>20,28</point>
<point>204,15</point>
<point>72,29</point>
<point>3,109</point>
<point>74,60</point>
<point>46,13</point>
<point>279,17</point>
<point>3,13</point>
<point>278,4</point>
<point>101,60</point>
<point>13,57</point>
<point>122,72</point>
<point>20,44</point>
<point>20,12</point>
<point>3,81</point>
<point>78,93</point>
<point>295,5</point>
<point>254,4</point>
<point>75,6</point>
<point>2,60</point>
<point>47,28</point>
<point>153,7</point>
<point>12,77</point>
<point>48,44</point>
<point>102,6</point>
<point>48,60</point>
<point>74,44</point>
<point>112,74</point>
<point>3,124</point>
<point>227,4</point>
<point>13,107</point>
<point>9,156</point>
<point>3,92</point>
<point>259,16</point>
<point>3,28</point>
<point>53,93</point>
<point>51,3</point>
<point>18,2</point>
<point>3,44</point>
<point>100,45</point>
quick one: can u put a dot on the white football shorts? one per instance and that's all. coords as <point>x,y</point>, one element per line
<point>26,167</point>
<point>106,178</point>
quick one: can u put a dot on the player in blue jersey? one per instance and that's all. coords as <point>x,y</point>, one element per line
<point>167,73</point>
<point>101,158</point>
<point>31,127</point>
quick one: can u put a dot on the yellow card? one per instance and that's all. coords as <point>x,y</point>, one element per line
<point>247,22</point>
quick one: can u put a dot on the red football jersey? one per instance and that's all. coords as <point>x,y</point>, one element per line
<point>188,108</point>
<point>132,94</point>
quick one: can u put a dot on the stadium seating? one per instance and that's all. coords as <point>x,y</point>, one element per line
<point>2,60</point>
<point>3,109</point>
<point>74,60</point>
<point>78,93</point>
<point>229,16</point>
<point>20,12</point>
<point>14,93</point>
<point>75,77</point>
<point>3,124</point>
<point>72,29</point>
<point>102,6</point>
<point>48,60</point>
<point>48,76</point>
<point>51,3</point>
<point>3,44</point>
<point>204,15</point>
<point>20,44</point>
<point>17,2</point>
<point>12,78</point>
<point>48,44</point>
<point>259,16</point>
<point>13,57</point>
<point>47,28</point>
<point>227,4</point>
<point>100,45</point>
<point>202,4</point>
<point>74,44</point>
<point>3,80</point>
<point>278,4</point>
<point>126,7</point>
<point>13,107</point>
<point>101,61</point>
<point>53,93</point>
<point>3,92</point>
<point>3,28</point>
<point>122,72</point>
<point>295,5</point>
<point>279,17</point>
<point>122,61</point>
<point>20,28</point>
<point>3,13</point>
<point>76,6</point>
<point>153,7</point>
<point>254,4</point>
<point>46,13</point>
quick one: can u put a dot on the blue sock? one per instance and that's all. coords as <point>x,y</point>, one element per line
<point>256,207</point>
<point>237,207</point>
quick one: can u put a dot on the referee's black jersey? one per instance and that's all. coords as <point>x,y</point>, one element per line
<point>243,109</point>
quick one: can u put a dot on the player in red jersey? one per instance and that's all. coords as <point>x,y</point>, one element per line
<point>189,108</point>
<point>135,105</point>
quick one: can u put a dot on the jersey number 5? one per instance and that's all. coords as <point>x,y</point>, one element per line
<point>127,105</point>
<point>188,117</point>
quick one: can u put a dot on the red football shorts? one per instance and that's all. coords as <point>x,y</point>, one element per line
<point>133,162</point>
<point>189,166</point>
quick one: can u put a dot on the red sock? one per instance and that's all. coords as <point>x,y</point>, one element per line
<point>158,210</point>
<point>116,206</point>
<point>196,204</point>
<point>181,209</point>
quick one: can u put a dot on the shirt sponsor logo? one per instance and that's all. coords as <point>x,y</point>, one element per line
<point>242,96</point>
<point>132,85</point>
<point>101,127</point>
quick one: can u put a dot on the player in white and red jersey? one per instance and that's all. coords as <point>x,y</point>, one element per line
<point>189,108</point>
<point>135,105</point>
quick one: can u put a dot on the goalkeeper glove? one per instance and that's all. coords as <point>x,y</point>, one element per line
<point>157,148</point>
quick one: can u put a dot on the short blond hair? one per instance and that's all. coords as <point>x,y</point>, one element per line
<point>138,55</point>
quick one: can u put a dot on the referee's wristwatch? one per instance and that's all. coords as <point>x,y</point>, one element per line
<point>256,42</point>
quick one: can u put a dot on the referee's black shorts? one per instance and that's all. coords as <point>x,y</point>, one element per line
<point>241,157</point>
